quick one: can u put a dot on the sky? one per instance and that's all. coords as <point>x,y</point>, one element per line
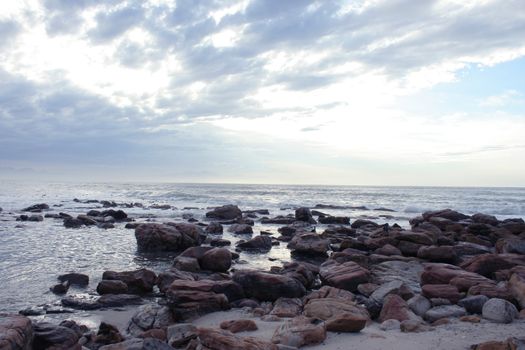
<point>364,92</point>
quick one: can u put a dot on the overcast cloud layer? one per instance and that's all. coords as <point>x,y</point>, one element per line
<point>336,92</point>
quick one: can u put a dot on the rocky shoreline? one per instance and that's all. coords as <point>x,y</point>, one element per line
<point>345,277</point>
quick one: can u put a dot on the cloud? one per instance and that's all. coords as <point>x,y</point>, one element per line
<point>506,98</point>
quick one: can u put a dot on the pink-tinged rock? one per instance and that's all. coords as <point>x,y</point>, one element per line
<point>388,250</point>
<point>446,214</point>
<point>487,264</point>
<point>287,307</point>
<point>491,290</point>
<point>216,339</point>
<point>16,332</point>
<point>517,285</point>
<point>138,281</point>
<point>415,237</point>
<point>309,243</point>
<point>445,291</point>
<point>444,253</point>
<point>394,307</point>
<point>216,259</point>
<point>465,282</point>
<point>232,290</point>
<point>299,331</point>
<point>236,326</point>
<point>346,276</point>
<point>346,322</point>
<point>437,273</point>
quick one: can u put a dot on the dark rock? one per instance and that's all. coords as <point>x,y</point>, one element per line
<point>261,243</point>
<point>445,254</point>
<point>220,242</point>
<point>216,259</point>
<point>485,219</point>
<point>50,336</point>
<point>108,334</point>
<point>138,281</point>
<point>309,243</point>
<point>75,279</point>
<point>226,212</point>
<point>214,227</point>
<point>445,214</point>
<point>187,302</point>
<point>148,317</point>
<point>487,264</point>
<point>278,220</point>
<point>87,220</point>
<point>268,287</point>
<point>361,223</point>
<point>334,220</point>
<point>164,279</point>
<point>112,287</point>
<point>132,225</point>
<point>37,207</point>
<point>73,223</point>
<point>473,304</point>
<point>167,237</point>
<point>60,288</point>
<point>304,214</point>
<point>388,250</point>
<point>16,332</point>
<point>240,229</point>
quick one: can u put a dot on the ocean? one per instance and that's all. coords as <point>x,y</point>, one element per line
<point>33,254</point>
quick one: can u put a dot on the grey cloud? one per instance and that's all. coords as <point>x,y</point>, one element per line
<point>113,24</point>
<point>8,32</point>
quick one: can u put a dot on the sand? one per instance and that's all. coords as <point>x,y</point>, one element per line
<point>456,335</point>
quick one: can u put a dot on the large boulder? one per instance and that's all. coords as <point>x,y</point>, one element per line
<point>226,212</point>
<point>446,254</point>
<point>16,332</point>
<point>150,316</point>
<point>112,287</point>
<point>167,237</point>
<point>309,243</point>
<point>394,307</point>
<point>499,311</point>
<point>138,281</point>
<point>190,304</point>
<point>304,214</point>
<point>51,336</point>
<point>267,286</point>
<point>449,214</point>
<point>347,275</point>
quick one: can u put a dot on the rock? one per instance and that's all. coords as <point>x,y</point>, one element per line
<point>220,242</point>
<point>443,253</point>
<point>287,307</point>
<point>347,275</point>
<point>485,219</point>
<point>37,207</point>
<point>304,214</point>
<point>327,292</point>
<point>466,281</point>
<point>299,331</point>
<point>240,229</point>
<point>112,287</point>
<point>309,243</point>
<point>413,326</point>
<point>72,223</point>
<point>164,279</point>
<point>261,243</point>
<point>50,336</point>
<point>367,289</point>
<point>388,250</point>
<point>226,212</point>
<point>406,271</point>
<point>156,333</point>
<point>278,220</point>
<point>148,317</point>
<point>444,311</point>
<point>16,332</point>
<point>138,344</point>
<point>473,304</point>
<point>268,287</point>
<point>394,307</point>
<point>415,237</point>
<point>168,237</point>
<point>334,220</point>
<point>236,326</point>
<point>229,288</point>
<point>491,290</point>
<point>419,305</point>
<point>216,339</point>
<point>118,215</point>
<point>108,334</point>
<point>445,214</point>
<point>487,264</point>
<point>214,228</point>
<point>392,287</point>
<point>87,220</point>
<point>138,281</point>
<point>186,264</point>
<point>499,311</point>
<point>60,288</point>
<point>470,318</point>
<point>180,334</point>
<point>35,218</point>
<point>216,259</point>
<point>436,273</point>
<point>510,245</point>
<point>445,291</point>
<point>346,322</point>
<point>328,308</point>
<point>517,287</point>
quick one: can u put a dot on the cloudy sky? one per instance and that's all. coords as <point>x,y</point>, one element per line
<point>381,92</point>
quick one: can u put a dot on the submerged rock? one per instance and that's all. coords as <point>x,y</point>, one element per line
<point>168,237</point>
